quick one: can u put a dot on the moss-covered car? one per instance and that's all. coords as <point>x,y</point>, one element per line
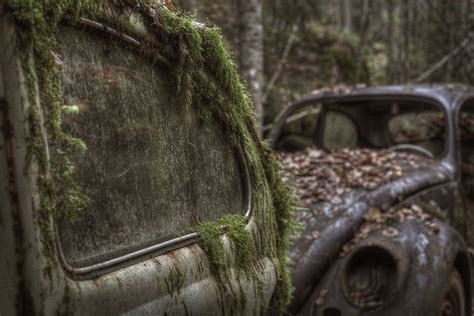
<point>386,178</point>
<point>132,179</point>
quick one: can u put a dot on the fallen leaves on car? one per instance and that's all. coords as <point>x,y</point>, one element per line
<point>377,220</point>
<point>320,175</point>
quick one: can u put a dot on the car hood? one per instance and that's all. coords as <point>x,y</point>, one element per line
<point>327,227</point>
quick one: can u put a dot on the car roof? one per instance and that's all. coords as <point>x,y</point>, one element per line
<point>447,94</point>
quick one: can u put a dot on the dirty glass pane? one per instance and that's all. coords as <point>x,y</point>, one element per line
<point>385,124</point>
<point>152,168</point>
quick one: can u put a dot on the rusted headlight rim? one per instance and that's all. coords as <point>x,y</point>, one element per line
<point>400,258</point>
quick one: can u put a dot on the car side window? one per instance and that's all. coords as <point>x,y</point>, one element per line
<point>299,129</point>
<point>466,131</point>
<point>152,168</point>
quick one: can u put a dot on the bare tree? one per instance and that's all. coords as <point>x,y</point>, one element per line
<point>251,51</point>
<point>470,47</point>
<point>346,14</point>
<point>390,41</point>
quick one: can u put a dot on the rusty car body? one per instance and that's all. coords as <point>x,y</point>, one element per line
<point>132,178</point>
<point>407,268</point>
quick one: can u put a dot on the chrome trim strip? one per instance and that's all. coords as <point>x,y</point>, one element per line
<point>130,256</point>
<point>109,30</point>
<point>247,183</point>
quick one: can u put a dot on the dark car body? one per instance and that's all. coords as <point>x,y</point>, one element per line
<point>422,262</point>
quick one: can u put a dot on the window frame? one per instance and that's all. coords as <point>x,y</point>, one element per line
<point>322,99</point>
<point>159,248</point>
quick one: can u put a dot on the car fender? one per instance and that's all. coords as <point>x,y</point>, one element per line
<point>424,258</point>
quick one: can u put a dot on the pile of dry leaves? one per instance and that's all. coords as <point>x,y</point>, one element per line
<point>320,175</point>
<point>376,220</point>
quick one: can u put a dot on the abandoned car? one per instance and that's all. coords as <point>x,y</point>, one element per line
<point>385,176</point>
<point>132,178</point>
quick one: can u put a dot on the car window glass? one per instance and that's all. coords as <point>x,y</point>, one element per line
<point>152,169</point>
<point>415,126</point>
<point>339,131</point>
<point>299,129</point>
<point>384,124</point>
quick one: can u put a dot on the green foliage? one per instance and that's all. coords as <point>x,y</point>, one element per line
<point>210,241</point>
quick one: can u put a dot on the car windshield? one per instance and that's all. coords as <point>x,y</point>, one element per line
<point>414,126</point>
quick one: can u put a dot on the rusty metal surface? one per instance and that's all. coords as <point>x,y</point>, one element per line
<point>179,282</point>
<point>338,224</point>
<point>430,258</point>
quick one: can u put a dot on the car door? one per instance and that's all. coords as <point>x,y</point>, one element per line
<point>167,224</point>
<point>152,171</point>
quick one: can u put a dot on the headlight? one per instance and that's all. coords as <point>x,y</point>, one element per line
<point>371,277</point>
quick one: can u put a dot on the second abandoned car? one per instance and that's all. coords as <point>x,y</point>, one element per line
<point>386,175</point>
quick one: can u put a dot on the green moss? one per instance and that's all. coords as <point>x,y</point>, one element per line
<point>205,77</point>
<point>234,226</point>
<point>36,24</point>
<point>210,241</point>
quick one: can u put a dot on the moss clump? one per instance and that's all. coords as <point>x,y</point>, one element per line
<point>234,226</point>
<point>210,241</point>
<point>36,23</point>
<point>205,77</point>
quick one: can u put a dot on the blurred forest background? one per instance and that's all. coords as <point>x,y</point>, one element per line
<point>287,48</point>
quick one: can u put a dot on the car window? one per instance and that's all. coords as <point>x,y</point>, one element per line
<point>152,169</point>
<point>415,127</point>
<point>299,129</point>
<point>384,124</point>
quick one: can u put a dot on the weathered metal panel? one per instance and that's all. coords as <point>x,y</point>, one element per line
<point>176,283</point>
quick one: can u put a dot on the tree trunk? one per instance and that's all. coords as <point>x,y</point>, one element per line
<point>364,39</point>
<point>405,43</point>
<point>347,14</point>
<point>470,47</point>
<point>251,51</point>
<point>390,42</point>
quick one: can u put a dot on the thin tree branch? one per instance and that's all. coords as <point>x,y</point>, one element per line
<point>281,64</point>
<point>443,61</point>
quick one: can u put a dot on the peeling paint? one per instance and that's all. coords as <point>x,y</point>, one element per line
<point>421,244</point>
